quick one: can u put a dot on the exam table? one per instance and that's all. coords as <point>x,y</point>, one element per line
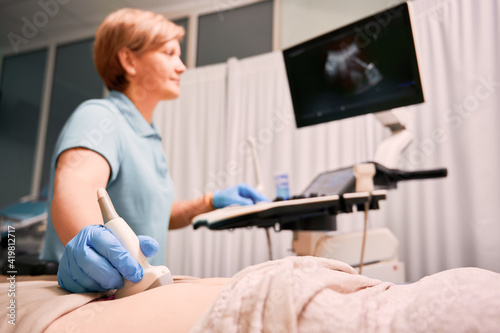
<point>294,294</point>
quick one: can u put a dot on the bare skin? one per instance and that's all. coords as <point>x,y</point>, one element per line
<point>172,308</point>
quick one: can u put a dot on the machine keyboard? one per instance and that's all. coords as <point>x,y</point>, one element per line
<point>285,212</point>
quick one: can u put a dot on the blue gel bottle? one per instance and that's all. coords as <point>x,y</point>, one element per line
<point>282,186</point>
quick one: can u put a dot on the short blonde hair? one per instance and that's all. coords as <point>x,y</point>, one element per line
<point>136,29</point>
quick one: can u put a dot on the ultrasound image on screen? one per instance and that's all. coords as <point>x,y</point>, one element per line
<point>365,67</point>
<point>349,72</point>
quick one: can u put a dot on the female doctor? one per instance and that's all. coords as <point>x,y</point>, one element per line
<point>113,143</point>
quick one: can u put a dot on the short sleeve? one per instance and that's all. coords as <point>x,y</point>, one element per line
<point>94,125</point>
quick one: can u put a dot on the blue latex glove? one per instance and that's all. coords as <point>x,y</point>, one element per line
<point>94,260</point>
<point>241,194</point>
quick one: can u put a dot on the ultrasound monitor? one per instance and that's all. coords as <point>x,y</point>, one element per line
<point>364,67</point>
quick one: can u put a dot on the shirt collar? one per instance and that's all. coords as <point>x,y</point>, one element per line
<point>133,116</point>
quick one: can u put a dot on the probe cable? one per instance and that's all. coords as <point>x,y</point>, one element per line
<point>367,208</point>
<point>269,245</point>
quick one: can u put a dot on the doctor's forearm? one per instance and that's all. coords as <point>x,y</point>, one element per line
<point>74,206</point>
<point>184,211</point>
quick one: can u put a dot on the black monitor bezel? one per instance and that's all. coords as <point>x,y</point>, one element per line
<point>365,109</point>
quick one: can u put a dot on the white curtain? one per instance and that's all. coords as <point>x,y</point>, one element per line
<point>450,223</point>
<point>440,224</point>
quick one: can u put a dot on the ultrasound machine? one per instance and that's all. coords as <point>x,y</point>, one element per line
<point>369,66</point>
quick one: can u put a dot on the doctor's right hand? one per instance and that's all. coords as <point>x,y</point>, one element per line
<point>95,260</point>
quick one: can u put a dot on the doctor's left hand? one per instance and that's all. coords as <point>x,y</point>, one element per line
<point>241,194</point>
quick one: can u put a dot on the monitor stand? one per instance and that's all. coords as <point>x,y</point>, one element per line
<point>389,151</point>
<point>378,266</point>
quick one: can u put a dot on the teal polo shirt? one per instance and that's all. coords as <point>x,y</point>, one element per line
<point>139,186</point>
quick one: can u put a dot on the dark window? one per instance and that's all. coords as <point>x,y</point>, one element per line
<point>237,32</point>
<point>21,90</point>
<point>183,22</point>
